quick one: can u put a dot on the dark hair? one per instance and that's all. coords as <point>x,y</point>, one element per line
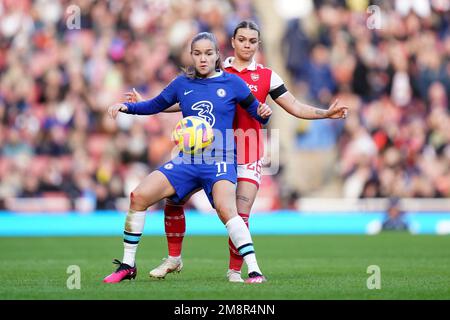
<point>190,71</point>
<point>247,24</point>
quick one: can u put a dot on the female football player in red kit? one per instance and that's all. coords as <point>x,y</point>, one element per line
<point>262,82</point>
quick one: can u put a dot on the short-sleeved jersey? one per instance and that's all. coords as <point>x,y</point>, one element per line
<point>261,81</point>
<point>213,99</point>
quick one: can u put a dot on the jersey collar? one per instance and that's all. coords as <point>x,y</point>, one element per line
<point>218,73</point>
<point>228,64</point>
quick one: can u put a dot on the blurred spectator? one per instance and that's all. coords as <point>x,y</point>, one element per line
<point>394,220</point>
<point>393,143</point>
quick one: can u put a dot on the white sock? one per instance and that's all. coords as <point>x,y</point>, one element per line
<point>129,253</point>
<point>134,226</point>
<point>242,240</point>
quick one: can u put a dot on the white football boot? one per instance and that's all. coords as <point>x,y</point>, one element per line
<point>168,265</point>
<point>234,276</point>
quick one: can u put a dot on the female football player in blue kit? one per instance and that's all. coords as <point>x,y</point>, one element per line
<point>208,92</point>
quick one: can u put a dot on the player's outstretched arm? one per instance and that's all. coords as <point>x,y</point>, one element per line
<point>135,96</point>
<point>167,98</point>
<point>304,111</point>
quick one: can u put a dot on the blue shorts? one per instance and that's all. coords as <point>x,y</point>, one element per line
<point>186,177</point>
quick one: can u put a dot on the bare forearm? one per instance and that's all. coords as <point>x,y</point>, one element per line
<point>300,110</point>
<point>306,111</point>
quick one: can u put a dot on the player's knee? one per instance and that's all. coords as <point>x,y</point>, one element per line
<point>137,198</point>
<point>243,206</point>
<point>225,209</point>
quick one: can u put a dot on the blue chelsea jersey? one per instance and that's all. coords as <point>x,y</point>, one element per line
<point>213,99</point>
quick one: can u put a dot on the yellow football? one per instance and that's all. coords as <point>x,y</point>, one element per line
<point>192,134</point>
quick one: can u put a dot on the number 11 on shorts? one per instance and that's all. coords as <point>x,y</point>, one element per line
<point>221,168</point>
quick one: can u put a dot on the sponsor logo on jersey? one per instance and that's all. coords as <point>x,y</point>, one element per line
<point>253,87</point>
<point>187,92</point>
<point>254,76</point>
<point>221,92</point>
<point>204,109</point>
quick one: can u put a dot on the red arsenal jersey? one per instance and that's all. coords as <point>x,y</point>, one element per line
<point>248,134</point>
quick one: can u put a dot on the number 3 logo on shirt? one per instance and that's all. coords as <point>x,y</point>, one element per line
<point>205,109</point>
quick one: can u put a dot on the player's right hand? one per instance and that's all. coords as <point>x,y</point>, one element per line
<point>264,111</point>
<point>133,96</point>
<point>114,109</point>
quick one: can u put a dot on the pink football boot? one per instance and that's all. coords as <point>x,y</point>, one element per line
<point>124,271</point>
<point>255,277</point>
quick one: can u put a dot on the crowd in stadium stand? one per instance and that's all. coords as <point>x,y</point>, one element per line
<point>396,79</point>
<point>56,140</point>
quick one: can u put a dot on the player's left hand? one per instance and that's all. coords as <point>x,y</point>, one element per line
<point>336,111</point>
<point>133,96</point>
<point>264,111</point>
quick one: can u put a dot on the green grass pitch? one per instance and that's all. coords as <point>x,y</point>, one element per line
<point>297,267</point>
